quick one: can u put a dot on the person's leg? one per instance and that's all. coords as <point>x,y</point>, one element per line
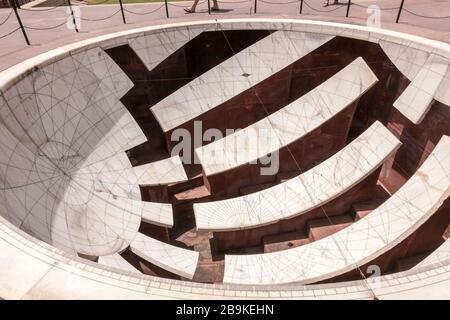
<point>193,7</point>
<point>215,5</point>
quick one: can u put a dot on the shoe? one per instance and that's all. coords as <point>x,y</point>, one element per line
<point>215,9</point>
<point>189,10</point>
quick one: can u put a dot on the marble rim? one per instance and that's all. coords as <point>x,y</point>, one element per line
<point>357,288</point>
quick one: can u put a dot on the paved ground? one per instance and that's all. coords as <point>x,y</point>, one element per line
<point>46,27</point>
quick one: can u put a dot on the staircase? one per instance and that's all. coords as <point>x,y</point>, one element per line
<point>320,228</point>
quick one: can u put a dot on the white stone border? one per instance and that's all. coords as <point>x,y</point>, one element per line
<point>95,281</point>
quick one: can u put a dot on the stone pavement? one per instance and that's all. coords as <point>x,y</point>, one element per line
<point>47,28</point>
